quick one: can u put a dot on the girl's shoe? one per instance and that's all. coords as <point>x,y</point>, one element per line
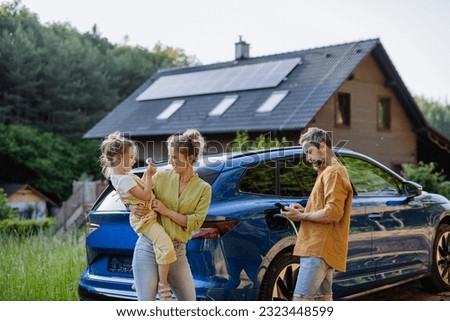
<point>164,292</point>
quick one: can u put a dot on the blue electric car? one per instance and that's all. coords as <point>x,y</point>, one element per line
<point>244,251</point>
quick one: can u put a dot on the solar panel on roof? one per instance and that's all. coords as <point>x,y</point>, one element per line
<point>254,76</point>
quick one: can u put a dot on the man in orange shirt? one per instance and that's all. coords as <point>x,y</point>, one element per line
<point>322,241</point>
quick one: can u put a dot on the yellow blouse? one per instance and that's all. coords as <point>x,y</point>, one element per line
<point>333,192</point>
<point>193,202</point>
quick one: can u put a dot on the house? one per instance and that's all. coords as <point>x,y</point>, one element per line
<point>29,202</point>
<point>352,90</point>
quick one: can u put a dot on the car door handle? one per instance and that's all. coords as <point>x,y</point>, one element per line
<point>375,216</point>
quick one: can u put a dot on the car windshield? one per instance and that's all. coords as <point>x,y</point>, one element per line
<point>370,180</point>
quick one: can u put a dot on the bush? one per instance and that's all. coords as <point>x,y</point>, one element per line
<point>242,142</point>
<point>426,175</point>
<point>6,211</point>
<point>26,228</point>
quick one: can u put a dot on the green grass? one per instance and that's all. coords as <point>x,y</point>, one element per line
<point>40,267</point>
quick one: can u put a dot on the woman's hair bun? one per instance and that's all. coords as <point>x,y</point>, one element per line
<point>197,139</point>
<point>190,143</point>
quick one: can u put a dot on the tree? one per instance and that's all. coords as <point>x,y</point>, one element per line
<point>242,142</point>
<point>6,211</point>
<point>55,84</point>
<point>426,175</point>
<point>436,114</point>
<point>44,160</point>
<point>58,79</point>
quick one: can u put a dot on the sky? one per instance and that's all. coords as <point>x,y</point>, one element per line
<point>414,33</point>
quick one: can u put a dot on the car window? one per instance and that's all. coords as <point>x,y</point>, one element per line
<point>371,180</point>
<point>111,202</point>
<point>207,175</point>
<point>259,179</point>
<point>297,177</point>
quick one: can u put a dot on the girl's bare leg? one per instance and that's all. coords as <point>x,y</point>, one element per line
<point>163,286</point>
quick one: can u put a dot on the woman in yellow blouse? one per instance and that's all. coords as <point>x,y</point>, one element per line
<point>182,199</point>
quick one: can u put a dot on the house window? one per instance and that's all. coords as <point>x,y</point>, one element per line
<point>384,114</point>
<point>171,109</point>
<point>272,101</point>
<point>223,106</point>
<point>342,114</point>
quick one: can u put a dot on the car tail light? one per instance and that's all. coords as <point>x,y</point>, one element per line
<point>214,230</point>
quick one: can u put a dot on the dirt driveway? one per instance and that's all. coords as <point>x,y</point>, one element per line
<point>407,292</point>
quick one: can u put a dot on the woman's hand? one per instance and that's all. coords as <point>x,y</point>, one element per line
<point>139,210</point>
<point>162,209</point>
<point>159,207</point>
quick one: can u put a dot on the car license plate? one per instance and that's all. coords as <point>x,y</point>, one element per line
<point>120,264</point>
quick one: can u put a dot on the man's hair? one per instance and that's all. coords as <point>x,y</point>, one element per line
<point>315,135</point>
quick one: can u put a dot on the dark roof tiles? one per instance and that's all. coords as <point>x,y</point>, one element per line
<point>311,84</point>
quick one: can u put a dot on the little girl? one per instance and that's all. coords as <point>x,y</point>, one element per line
<point>118,155</point>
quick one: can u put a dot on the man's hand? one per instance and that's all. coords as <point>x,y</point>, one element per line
<point>293,212</point>
<point>296,212</point>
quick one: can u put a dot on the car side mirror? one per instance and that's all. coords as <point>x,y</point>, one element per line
<point>412,189</point>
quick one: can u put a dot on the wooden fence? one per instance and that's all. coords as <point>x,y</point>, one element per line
<point>72,213</point>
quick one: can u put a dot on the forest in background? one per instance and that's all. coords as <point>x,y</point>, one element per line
<point>56,83</point>
<point>58,79</point>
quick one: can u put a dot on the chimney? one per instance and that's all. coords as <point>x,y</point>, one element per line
<point>241,49</point>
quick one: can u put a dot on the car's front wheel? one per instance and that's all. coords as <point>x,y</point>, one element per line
<point>439,281</point>
<point>279,282</point>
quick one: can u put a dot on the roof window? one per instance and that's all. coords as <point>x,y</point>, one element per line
<point>273,101</point>
<point>171,109</point>
<point>223,105</point>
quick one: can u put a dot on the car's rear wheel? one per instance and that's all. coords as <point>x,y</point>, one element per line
<point>439,280</point>
<point>279,282</point>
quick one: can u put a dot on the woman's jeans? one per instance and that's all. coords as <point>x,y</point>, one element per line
<point>145,270</point>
